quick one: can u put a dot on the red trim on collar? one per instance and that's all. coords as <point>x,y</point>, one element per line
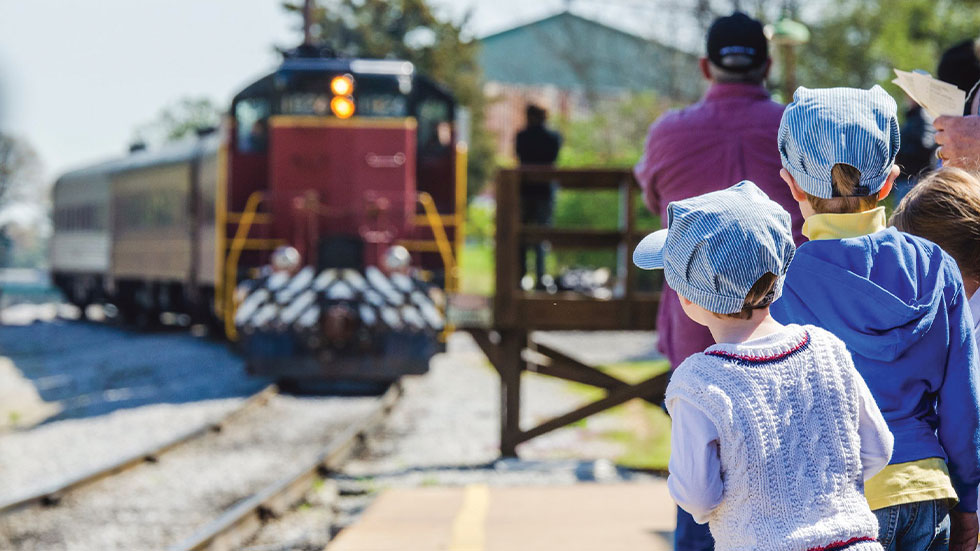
<point>762,359</point>
<point>842,544</point>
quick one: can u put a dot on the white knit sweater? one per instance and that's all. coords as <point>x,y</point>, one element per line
<point>787,421</point>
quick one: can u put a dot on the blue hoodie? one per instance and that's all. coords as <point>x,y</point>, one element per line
<point>897,302</point>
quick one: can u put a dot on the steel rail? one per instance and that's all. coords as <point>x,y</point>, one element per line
<point>241,522</point>
<point>53,494</point>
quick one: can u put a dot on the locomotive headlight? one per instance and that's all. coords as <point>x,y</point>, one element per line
<point>397,259</point>
<point>342,106</point>
<point>342,85</point>
<point>285,259</point>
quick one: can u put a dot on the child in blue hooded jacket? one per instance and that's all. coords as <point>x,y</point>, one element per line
<point>897,302</point>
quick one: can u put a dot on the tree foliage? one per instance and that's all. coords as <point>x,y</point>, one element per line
<point>411,30</point>
<point>858,42</point>
<point>19,170</point>
<point>20,182</point>
<point>181,119</point>
<point>613,134</point>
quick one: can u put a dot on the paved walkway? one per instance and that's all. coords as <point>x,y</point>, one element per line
<point>586,517</point>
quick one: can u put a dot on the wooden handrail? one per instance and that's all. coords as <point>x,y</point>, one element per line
<point>515,308</point>
<point>589,178</point>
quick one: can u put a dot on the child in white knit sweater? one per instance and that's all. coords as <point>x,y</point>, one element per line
<point>773,430</point>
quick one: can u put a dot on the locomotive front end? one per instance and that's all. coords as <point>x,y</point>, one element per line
<point>340,220</point>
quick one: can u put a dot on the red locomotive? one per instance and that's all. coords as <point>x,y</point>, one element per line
<point>349,169</point>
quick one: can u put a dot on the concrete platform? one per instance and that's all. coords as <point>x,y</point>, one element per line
<point>586,517</point>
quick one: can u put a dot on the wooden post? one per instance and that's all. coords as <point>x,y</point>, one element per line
<point>624,253</point>
<point>510,365</point>
<point>516,314</point>
<point>508,247</point>
<point>789,71</point>
<point>308,22</point>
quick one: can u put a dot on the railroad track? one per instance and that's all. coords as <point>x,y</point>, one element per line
<point>240,523</point>
<point>239,473</point>
<point>52,494</point>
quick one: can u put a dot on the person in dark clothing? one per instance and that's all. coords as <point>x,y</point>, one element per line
<point>960,65</point>
<point>536,146</point>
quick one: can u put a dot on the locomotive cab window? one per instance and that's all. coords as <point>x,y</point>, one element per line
<point>252,124</point>
<point>435,130</point>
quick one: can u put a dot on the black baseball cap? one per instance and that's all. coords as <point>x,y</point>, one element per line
<point>737,44</point>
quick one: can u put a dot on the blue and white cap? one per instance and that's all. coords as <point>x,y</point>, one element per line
<point>828,126</point>
<point>717,245</point>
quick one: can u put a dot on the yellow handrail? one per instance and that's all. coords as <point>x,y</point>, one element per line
<point>442,241</point>
<point>462,159</point>
<point>231,261</point>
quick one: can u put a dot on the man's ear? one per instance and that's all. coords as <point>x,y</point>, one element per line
<point>798,194</point>
<point>684,300</point>
<point>705,66</point>
<point>889,182</point>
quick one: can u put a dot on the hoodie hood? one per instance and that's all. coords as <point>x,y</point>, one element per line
<point>887,286</point>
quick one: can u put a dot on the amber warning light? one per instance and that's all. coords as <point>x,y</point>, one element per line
<point>342,85</point>
<point>342,106</point>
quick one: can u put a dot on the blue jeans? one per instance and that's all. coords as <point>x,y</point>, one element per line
<point>691,536</point>
<point>919,526</point>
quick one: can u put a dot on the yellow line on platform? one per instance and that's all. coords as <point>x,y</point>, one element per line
<point>469,527</point>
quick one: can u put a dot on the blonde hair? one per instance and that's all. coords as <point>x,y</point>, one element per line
<point>760,296</point>
<point>844,178</point>
<point>944,207</point>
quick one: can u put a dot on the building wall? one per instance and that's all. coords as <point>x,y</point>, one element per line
<point>507,103</point>
<point>566,63</point>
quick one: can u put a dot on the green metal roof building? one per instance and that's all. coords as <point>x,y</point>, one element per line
<point>573,53</point>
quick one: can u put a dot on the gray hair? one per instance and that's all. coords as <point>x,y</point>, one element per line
<point>755,76</point>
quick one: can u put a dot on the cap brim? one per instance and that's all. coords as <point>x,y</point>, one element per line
<point>649,254</point>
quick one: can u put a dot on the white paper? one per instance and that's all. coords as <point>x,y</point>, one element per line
<point>935,96</point>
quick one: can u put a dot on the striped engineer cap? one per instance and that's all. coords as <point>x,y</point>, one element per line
<point>824,127</point>
<point>717,245</point>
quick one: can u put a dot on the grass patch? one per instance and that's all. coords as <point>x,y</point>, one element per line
<point>645,435</point>
<point>476,267</point>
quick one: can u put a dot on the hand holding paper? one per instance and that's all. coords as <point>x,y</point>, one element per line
<point>938,98</point>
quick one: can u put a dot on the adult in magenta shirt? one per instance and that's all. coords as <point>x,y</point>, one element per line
<point>727,137</point>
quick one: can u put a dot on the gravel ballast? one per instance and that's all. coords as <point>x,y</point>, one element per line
<point>444,432</point>
<point>113,392</point>
<point>158,504</point>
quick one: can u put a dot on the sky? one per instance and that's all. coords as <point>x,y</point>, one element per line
<point>77,77</point>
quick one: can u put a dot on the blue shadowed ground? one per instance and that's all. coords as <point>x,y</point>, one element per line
<point>90,369</point>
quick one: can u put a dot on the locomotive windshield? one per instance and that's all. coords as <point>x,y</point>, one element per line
<point>374,95</point>
<point>381,89</point>
<point>307,92</point>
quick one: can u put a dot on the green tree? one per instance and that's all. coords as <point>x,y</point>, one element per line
<point>410,30</point>
<point>21,184</point>
<point>19,170</point>
<point>180,119</point>
<point>858,42</point>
